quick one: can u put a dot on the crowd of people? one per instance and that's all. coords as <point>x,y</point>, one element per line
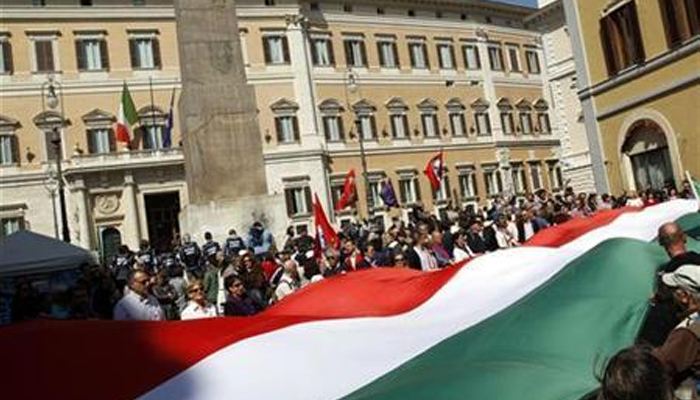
<point>242,276</point>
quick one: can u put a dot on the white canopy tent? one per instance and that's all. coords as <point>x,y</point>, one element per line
<point>25,253</point>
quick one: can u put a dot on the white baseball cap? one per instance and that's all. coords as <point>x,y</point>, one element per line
<point>686,276</point>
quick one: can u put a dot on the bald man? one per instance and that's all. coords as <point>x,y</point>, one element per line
<point>673,240</point>
<point>663,314</point>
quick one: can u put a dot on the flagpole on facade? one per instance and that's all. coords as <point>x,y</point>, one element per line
<point>153,105</point>
<point>352,86</point>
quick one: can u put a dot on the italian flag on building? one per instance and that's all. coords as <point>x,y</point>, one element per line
<point>128,117</point>
<point>529,323</point>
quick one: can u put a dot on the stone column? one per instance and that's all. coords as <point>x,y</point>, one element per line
<point>81,200</point>
<point>132,226</point>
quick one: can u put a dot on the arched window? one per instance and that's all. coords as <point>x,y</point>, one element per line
<point>506,111</point>
<point>481,117</point>
<point>398,116</point>
<point>99,132</point>
<point>455,113</point>
<point>543,124</point>
<point>286,124</point>
<point>152,120</point>
<point>331,116</point>
<point>428,115</point>
<point>365,121</point>
<point>525,116</point>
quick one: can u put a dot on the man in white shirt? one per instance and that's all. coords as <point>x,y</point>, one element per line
<point>289,283</point>
<point>138,304</point>
<point>198,306</point>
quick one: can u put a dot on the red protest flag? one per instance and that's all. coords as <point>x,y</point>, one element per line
<point>325,234</point>
<point>434,170</point>
<point>349,196</point>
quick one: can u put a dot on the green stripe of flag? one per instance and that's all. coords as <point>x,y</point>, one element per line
<point>546,346</point>
<point>130,114</point>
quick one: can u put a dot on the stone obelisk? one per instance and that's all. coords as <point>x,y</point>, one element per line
<point>221,138</point>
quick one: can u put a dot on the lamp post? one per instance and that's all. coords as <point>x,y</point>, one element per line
<point>353,86</point>
<point>51,99</point>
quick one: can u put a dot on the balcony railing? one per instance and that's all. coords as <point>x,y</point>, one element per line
<point>134,158</point>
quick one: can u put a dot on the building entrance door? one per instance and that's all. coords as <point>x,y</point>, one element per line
<point>652,170</point>
<point>649,157</point>
<point>162,212</point>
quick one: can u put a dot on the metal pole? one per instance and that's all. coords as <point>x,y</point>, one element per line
<point>363,158</point>
<point>153,109</point>
<point>61,190</point>
<point>55,218</point>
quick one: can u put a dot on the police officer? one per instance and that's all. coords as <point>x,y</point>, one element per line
<point>121,266</point>
<point>168,261</point>
<point>190,256</point>
<point>147,257</point>
<point>233,245</point>
<point>210,248</point>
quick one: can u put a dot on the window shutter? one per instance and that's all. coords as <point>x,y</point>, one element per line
<point>92,147</point>
<point>424,125</point>
<point>363,50</point>
<point>341,129</point>
<point>500,58</point>
<point>80,55</point>
<point>326,127</point>
<point>478,57</point>
<point>266,50</point>
<point>464,124</point>
<point>295,124</point>
<point>452,57</point>
<point>44,56</point>
<point>451,118</point>
<point>15,149</point>
<point>285,49</point>
<point>404,121</point>
<point>395,50</point>
<point>289,199</point>
<point>349,60</point>
<point>7,57</point>
<point>156,53</point>
<point>382,61</point>
<point>436,124</point>
<point>133,54</point>
<point>314,54</point>
<point>278,129</point>
<point>638,44</point>
<point>112,141</point>
<point>410,55</point>
<point>425,57</point>
<point>417,186</point>
<point>441,62</point>
<point>605,37</point>
<point>307,197</point>
<point>373,123</point>
<point>104,54</point>
<point>331,53</point>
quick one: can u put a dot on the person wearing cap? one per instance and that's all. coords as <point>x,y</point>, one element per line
<point>680,353</point>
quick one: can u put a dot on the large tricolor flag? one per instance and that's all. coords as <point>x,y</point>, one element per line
<point>127,118</point>
<point>349,195</point>
<point>434,170</point>
<point>529,323</point>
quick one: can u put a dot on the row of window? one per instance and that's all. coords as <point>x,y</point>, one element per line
<point>276,51</point>
<point>91,51</point>
<point>101,139</point>
<point>365,125</point>
<point>621,33</point>
<point>298,197</point>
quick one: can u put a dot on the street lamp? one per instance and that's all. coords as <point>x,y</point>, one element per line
<point>51,99</point>
<point>353,86</point>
